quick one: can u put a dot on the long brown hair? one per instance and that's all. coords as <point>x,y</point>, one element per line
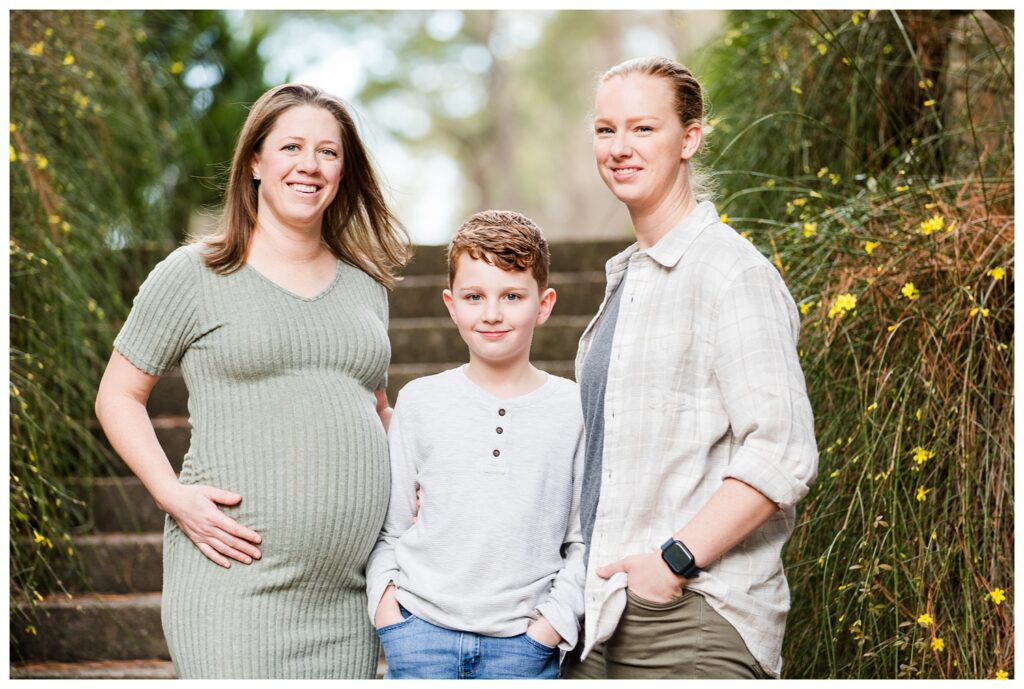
<point>358,227</point>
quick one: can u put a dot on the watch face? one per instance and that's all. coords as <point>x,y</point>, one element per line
<point>677,558</point>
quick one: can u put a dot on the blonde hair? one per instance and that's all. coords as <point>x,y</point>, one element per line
<point>505,239</point>
<point>358,227</point>
<point>690,106</point>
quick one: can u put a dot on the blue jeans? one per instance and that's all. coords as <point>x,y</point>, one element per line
<point>416,649</point>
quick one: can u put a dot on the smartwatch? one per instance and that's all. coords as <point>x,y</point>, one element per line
<point>679,558</point>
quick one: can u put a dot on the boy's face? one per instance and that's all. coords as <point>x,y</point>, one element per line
<point>496,310</point>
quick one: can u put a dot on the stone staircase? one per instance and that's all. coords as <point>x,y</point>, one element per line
<point>110,627</point>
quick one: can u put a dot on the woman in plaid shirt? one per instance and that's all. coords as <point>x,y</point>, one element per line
<point>700,438</point>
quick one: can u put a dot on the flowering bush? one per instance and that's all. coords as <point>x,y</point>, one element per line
<point>903,554</point>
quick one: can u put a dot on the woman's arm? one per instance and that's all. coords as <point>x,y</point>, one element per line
<point>121,410</point>
<point>384,410</point>
<point>734,512</point>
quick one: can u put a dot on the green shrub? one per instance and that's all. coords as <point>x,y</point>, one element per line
<point>873,161</point>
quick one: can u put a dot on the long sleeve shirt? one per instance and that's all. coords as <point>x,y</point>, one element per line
<point>497,537</point>
<point>704,383</point>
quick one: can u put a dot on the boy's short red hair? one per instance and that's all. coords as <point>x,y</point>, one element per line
<point>505,239</point>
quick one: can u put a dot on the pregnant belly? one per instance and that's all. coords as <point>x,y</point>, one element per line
<point>315,489</point>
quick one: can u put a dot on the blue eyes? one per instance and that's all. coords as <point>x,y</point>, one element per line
<point>477,297</point>
<point>642,129</point>
<point>294,148</point>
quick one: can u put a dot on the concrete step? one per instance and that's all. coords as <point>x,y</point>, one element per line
<point>173,432</point>
<point>121,504</point>
<point>112,563</point>
<point>100,669</point>
<point>169,396</point>
<point>92,627</point>
<point>566,257</point>
<point>114,669</point>
<point>120,562</point>
<point>418,296</point>
<point>425,340</point>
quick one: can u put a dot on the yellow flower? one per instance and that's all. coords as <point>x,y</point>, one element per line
<point>922,493</point>
<point>1002,674</point>
<point>69,59</point>
<point>814,195</point>
<point>810,229</point>
<point>65,226</point>
<point>856,17</point>
<point>833,178</point>
<point>843,304</point>
<point>925,619</point>
<point>53,219</point>
<point>804,308</point>
<point>901,188</point>
<point>38,536</point>
<point>822,48</point>
<point>795,89</point>
<point>975,311</point>
<point>996,273</point>
<point>91,306</point>
<point>179,67</point>
<point>925,84</point>
<point>822,172</point>
<point>910,292</point>
<point>41,161</point>
<point>799,201</point>
<point>997,596</point>
<point>36,48</point>
<point>14,154</point>
<point>99,24</point>
<point>14,127</point>
<point>929,103</point>
<point>932,224</point>
<point>873,406</point>
<point>922,455</point>
<point>31,629</point>
<point>938,644</point>
<point>870,246</point>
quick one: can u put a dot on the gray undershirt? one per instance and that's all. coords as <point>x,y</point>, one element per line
<point>593,380</point>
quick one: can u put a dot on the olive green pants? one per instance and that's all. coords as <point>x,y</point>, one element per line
<point>682,639</point>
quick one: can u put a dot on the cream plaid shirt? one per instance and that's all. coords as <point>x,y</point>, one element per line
<point>704,383</point>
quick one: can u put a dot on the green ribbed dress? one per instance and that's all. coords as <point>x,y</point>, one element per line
<point>282,411</point>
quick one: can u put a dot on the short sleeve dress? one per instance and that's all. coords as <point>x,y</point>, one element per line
<point>283,413</point>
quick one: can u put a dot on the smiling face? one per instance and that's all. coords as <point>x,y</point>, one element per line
<point>640,145</point>
<point>496,311</point>
<point>299,167</point>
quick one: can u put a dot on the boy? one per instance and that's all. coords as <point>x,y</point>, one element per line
<point>485,578</point>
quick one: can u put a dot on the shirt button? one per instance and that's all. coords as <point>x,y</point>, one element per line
<point>501,412</point>
<point>499,430</point>
<point>496,453</point>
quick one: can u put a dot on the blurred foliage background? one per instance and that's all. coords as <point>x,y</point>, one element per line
<point>869,154</point>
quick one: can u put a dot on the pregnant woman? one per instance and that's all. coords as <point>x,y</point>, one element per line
<point>279,324</point>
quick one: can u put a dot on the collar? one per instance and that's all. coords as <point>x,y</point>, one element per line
<point>670,248</point>
<point>673,245</point>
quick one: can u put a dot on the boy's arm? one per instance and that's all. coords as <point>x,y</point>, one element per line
<point>564,606</point>
<point>381,568</point>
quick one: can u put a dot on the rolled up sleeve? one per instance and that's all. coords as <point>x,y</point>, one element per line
<point>763,390</point>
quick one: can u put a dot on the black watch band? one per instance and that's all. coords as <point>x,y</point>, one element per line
<point>679,558</point>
